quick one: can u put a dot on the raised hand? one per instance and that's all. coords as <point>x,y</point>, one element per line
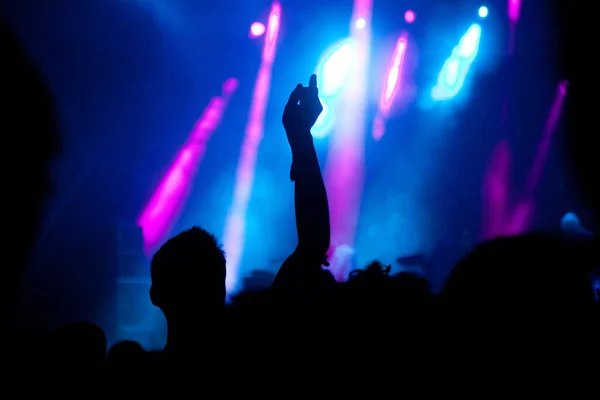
<point>302,269</point>
<point>311,103</point>
<point>302,109</point>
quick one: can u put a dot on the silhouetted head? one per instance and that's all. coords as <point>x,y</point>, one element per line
<point>375,273</point>
<point>375,284</point>
<point>188,274</point>
<point>379,305</point>
<point>124,354</point>
<point>521,276</point>
<point>369,288</point>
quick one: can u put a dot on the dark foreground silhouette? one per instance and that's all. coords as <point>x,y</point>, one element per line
<point>516,313</point>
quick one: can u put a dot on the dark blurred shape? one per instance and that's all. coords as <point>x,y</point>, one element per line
<point>124,356</point>
<point>580,114</point>
<point>30,139</point>
<point>516,278</point>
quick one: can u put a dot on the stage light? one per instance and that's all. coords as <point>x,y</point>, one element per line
<point>483,11</point>
<point>393,78</point>
<point>334,68</point>
<point>409,16</point>
<point>360,23</point>
<point>455,69</point>
<point>257,29</point>
<point>469,43</point>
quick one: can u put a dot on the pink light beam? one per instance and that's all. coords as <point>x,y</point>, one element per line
<point>545,142</point>
<point>514,8</point>
<point>392,82</point>
<point>168,200</point>
<point>500,217</point>
<point>344,172</point>
<point>236,219</point>
<point>496,186</point>
<point>523,213</point>
<point>390,87</point>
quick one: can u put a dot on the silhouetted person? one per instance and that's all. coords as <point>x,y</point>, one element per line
<point>510,277</point>
<point>511,290</point>
<point>522,301</point>
<point>188,285</point>
<point>383,322</point>
<point>392,297</point>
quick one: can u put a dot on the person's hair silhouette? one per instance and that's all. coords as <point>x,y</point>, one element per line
<point>188,281</point>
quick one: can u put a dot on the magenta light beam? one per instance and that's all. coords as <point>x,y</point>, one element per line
<point>514,9</point>
<point>496,191</point>
<point>501,217</point>
<point>344,172</point>
<point>392,82</point>
<point>236,219</point>
<point>390,87</point>
<point>167,202</point>
<point>522,215</point>
<point>544,145</point>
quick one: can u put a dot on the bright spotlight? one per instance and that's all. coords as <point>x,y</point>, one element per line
<point>409,16</point>
<point>456,68</point>
<point>360,23</point>
<point>334,68</point>
<point>483,11</point>
<point>257,29</point>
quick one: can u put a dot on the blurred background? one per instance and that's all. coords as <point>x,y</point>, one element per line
<point>439,131</point>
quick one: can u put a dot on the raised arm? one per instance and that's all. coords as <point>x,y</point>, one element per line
<point>312,210</point>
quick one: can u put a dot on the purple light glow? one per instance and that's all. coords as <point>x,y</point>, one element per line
<point>257,29</point>
<point>166,204</point>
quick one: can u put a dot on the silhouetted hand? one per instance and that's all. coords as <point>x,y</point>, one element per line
<point>302,110</point>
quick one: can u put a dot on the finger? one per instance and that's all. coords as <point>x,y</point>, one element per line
<point>312,82</point>
<point>312,85</point>
<point>294,97</point>
<point>313,92</point>
<point>296,94</point>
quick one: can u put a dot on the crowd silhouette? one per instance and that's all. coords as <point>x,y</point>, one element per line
<point>515,310</point>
